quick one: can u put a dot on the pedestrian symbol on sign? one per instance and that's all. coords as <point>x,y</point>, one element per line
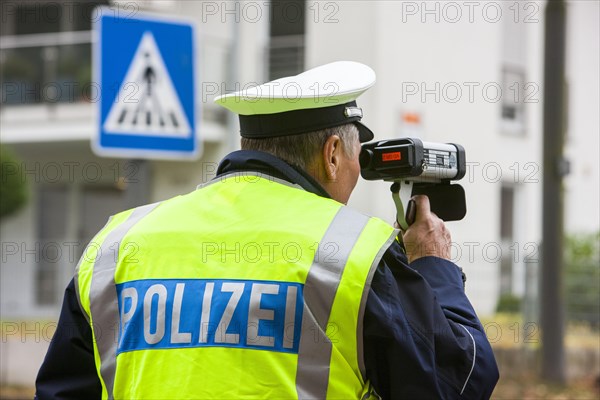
<point>147,102</point>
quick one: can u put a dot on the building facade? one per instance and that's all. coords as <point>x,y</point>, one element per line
<point>463,72</point>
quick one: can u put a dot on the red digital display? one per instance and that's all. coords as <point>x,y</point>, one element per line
<point>395,156</point>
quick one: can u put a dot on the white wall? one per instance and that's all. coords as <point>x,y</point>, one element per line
<point>420,45</point>
<point>408,48</point>
<point>583,132</point>
<point>445,69</point>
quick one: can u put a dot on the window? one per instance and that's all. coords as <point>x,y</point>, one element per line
<point>507,195</point>
<point>68,218</point>
<point>286,49</point>
<point>513,100</point>
<point>515,90</point>
<point>98,203</point>
<point>52,232</point>
<point>507,201</point>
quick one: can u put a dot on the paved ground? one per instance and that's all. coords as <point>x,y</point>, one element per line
<point>530,388</point>
<point>527,388</point>
<point>23,347</point>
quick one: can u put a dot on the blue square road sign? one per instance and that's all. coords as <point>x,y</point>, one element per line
<point>144,66</point>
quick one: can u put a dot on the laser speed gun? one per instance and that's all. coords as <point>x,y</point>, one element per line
<point>417,167</point>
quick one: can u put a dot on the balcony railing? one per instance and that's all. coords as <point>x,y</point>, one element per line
<point>45,68</point>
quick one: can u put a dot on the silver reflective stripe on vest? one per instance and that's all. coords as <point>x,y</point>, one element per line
<point>76,276</point>
<point>103,296</point>
<point>363,303</point>
<point>314,353</point>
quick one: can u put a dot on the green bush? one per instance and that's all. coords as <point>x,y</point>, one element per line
<point>13,189</point>
<point>508,303</point>
<point>582,278</point>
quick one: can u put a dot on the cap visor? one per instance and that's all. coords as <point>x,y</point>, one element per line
<point>364,133</point>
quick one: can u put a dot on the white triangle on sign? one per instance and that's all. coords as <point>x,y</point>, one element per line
<point>147,103</point>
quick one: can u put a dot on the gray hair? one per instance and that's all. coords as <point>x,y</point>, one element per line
<point>301,150</point>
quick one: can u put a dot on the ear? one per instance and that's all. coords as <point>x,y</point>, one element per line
<point>332,152</point>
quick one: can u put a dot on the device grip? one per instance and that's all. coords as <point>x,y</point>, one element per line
<point>411,212</point>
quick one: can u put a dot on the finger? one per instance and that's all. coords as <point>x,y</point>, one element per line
<point>423,207</point>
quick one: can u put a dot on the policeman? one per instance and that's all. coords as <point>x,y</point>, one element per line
<point>263,284</point>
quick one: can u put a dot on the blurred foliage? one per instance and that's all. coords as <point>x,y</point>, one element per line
<point>509,330</point>
<point>582,278</point>
<point>508,303</point>
<point>13,189</point>
<point>17,67</point>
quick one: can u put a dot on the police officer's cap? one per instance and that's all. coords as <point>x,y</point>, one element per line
<point>322,97</point>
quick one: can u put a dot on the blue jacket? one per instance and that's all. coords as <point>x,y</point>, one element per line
<point>422,338</point>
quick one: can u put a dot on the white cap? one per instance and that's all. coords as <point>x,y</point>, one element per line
<point>322,97</point>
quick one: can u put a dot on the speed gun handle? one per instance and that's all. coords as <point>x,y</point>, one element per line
<point>401,194</point>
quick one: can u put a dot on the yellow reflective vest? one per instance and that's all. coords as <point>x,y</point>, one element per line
<point>246,288</point>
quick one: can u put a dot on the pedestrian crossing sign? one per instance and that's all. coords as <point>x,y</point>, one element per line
<point>144,68</point>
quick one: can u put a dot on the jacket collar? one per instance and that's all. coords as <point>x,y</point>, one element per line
<point>265,163</point>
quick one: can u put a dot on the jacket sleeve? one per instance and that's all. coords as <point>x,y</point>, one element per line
<point>422,338</point>
<point>69,370</point>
